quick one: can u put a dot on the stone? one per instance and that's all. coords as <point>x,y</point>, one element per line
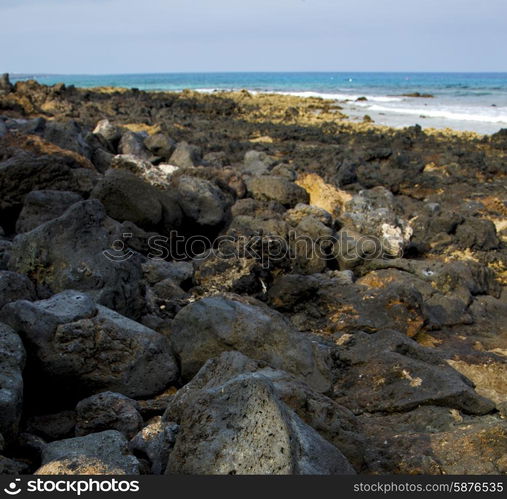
<point>333,422</point>
<point>108,411</point>
<point>87,348</point>
<point>126,197</point>
<point>284,170</point>
<point>333,305</point>
<point>160,145</point>
<point>439,309</point>
<point>131,163</point>
<point>68,253</point>
<point>351,248</point>
<point>322,194</point>
<point>5,253</point>
<point>12,363</point>
<point>5,84</point>
<point>312,245</point>
<point>132,144</point>
<point>185,155</point>
<point>241,427</point>
<point>109,133</point>
<point>41,206</point>
<point>435,440</point>
<point>213,325</point>
<point>14,287</point>
<point>67,135</point>
<point>477,234</point>
<point>23,171</point>
<point>372,213</point>
<point>295,215</point>
<point>12,467</point>
<point>104,453</point>
<point>216,159</point>
<point>256,163</point>
<point>389,372</point>
<point>156,271</point>
<point>3,128</point>
<point>101,159</point>
<point>272,188</point>
<point>155,441</point>
<point>202,201</point>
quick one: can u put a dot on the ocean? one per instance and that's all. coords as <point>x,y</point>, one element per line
<point>462,101</point>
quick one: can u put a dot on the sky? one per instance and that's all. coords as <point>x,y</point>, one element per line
<point>159,36</point>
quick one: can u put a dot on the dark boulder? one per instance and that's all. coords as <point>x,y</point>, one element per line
<point>185,155</point>
<point>155,442</point>
<point>160,145</point>
<point>42,206</point>
<point>108,411</point>
<point>213,325</point>
<point>272,188</point>
<point>12,363</point>
<point>202,201</point>
<point>104,453</point>
<point>237,424</point>
<point>14,287</point>
<point>389,372</point>
<point>68,253</point>
<point>86,348</point>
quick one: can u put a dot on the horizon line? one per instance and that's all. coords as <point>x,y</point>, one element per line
<point>18,74</point>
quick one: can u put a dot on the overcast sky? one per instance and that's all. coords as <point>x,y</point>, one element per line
<point>141,36</point>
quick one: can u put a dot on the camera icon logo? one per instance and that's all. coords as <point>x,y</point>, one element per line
<point>13,489</point>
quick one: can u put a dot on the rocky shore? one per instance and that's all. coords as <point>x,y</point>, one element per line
<point>232,283</point>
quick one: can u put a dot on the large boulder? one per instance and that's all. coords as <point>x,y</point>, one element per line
<point>41,206</point>
<point>157,175</point>
<point>104,453</point>
<point>333,422</point>
<point>217,324</point>
<point>68,253</point>
<point>160,145</point>
<point>15,287</point>
<point>133,144</point>
<point>433,440</point>
<point>240,426</point>
<point>372,212</point>
<point>12,362</point>
<point>257,163</point>
<point>185,155</point>
<point>68,135</point>
<point>108,411</point>
<point>86,348</point>
<point>275,188</point>
<point>202,201</point>
<point>478,234</point>
<point>389,372</point>
<point>5,253</point>
<point>25,167</point>
<point>333,304</point>
<point>127,197</point>
<point>108,133</point>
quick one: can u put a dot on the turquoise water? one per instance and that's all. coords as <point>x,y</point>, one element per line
<point>465,101</point>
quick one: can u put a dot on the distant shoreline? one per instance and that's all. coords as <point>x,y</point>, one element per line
<point>475,102</point>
